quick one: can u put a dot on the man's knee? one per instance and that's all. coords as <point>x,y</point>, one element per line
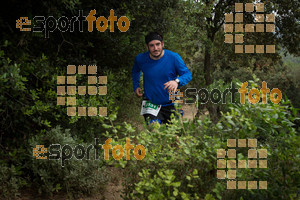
<point>155,120</point>
<point>151,119</point>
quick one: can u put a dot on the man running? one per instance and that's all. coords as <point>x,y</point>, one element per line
<point>163,71</point>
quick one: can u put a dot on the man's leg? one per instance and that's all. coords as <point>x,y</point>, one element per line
<point>166,112</point>
<point>151,118</point>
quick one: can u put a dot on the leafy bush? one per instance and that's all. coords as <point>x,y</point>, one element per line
<point>77,177</point>
<point>11,181</point>
<point>181,157</point>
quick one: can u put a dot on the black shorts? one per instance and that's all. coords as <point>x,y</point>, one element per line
<point>163,116</point>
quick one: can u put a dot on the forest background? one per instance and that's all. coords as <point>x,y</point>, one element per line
<point>181,160</point>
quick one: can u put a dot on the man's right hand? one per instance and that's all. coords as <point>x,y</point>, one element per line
<point>138,92</point>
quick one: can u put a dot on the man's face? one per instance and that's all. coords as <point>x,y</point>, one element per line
<point>155,48</point>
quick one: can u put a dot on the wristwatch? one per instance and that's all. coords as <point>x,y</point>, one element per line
<point>177,80</point>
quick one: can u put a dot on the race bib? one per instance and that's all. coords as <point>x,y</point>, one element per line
<point>150,108</point>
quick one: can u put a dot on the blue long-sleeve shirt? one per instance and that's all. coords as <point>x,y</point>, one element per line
<point>157,73</point>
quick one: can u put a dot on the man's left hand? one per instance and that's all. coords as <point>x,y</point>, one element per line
<point>171,85</point>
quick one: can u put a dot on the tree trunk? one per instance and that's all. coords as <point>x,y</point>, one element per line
<point>212,109</point>
<point>207,66</point>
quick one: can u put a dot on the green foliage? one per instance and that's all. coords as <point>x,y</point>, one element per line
<point>161,186</point>
<point>11,181</point>
<point>180,160</point>
<point>181,157</point>
<point>77,177</point>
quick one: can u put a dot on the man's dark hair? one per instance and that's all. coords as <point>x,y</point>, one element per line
<point>153,36</point>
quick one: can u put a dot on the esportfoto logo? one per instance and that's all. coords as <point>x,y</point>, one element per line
<point>235,29</point>
<point>203,96</point>
<point>68,24</point>
<point>66,152</point>
<point>96,86</point>
<point>228,164</point>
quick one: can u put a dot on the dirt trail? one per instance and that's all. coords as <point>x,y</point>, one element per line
<point>189,112</point>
